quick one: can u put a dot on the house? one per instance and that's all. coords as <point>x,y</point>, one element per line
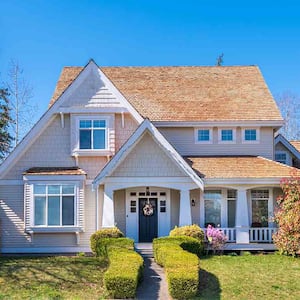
<point>287,152</point>
<point>146,149</point>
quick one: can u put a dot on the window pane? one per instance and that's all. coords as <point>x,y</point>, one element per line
<point>85,124</point>
<point>280,157</point>
<point>231,194</point>
<point>250,134</point>
<point>259,213</point>
<point>85,139</point>
<point>227,135</point>
<point>68,210</point>
<point>68,189</point>
<point>203,135</point>
<point>39,189</point>
<point>54,189</point>
<point>231,213</point>
<point>53,210</point>
<point>39,210</point>
<point>99,124</point>
<point>213,212</point>
<point>99,139</point>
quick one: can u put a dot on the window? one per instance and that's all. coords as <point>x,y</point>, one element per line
<point>281,157</point>
<point>259,199</point>
<point>212,205</point>
<point>250,135</point>
<point>163,206</point>
<point>92,134</point>
<point>132,206</point>
<point>231,207</point>
<point>227,135</point>
<point>54,205</point>
<point>203,135</point>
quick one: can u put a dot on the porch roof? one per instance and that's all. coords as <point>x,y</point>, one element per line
<point>226,167</point>
<point>296,144</point>
<point>54,171</point>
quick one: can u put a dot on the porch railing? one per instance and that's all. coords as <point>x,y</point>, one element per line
<point>262,234</point>
<point>229,232</point>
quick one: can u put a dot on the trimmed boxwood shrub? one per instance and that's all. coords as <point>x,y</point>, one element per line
<point>189,230</point>
<point>124,273</point>
<point>181,267</point>
<point>96,240</point>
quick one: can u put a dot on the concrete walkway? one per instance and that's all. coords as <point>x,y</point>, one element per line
<point>154,284</point>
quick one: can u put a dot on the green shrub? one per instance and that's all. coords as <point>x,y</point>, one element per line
<point>124,272</point>
<point>181,267</point>
<point>104,244</point>
<point>185,242</point>
<point>190,230</point>
<point>97,237</point>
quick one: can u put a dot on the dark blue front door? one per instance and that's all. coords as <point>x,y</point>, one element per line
<point>147,219</point>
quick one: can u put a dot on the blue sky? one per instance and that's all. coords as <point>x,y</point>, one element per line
<point>44,36</point>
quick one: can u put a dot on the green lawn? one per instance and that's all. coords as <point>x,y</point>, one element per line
<point>51,277</point>
<point>250,277</point>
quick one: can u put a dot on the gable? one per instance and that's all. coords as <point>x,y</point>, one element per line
<point>92,92</point>
<point>147,159</point>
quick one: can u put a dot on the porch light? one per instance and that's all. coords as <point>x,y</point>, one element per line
<point>193,202</point>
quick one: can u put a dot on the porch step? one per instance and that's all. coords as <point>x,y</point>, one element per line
<point>145,249</point>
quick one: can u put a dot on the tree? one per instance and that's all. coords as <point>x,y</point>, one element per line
<point>21,93</point>
<point>289,104</point>
<point>5,121</point>
<point>220,61</point>
<point>287,215</point>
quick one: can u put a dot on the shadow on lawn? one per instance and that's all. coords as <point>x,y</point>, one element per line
<point>209,286</point>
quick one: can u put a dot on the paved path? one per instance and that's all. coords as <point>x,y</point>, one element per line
<point>154,284</point>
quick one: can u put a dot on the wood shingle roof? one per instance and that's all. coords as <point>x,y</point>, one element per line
<point>189,93</point>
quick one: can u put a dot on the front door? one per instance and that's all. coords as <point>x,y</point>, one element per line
<point>147,219</point>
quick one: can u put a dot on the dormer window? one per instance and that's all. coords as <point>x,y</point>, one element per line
<point>250,135</point>
<point>92,134</point>
<point>227,135</point>
<point>203,135</point>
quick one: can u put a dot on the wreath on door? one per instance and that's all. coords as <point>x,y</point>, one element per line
<point>148,210</point>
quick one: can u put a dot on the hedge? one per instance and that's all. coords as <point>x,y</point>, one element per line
<point>124,273</point>
<point>181,266</point>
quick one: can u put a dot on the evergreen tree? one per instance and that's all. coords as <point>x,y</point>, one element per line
<point>5,120</point>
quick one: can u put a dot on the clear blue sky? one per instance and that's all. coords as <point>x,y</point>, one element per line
<point>45,35</point>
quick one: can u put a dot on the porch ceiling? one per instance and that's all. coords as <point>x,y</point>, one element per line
<point>226,167</point>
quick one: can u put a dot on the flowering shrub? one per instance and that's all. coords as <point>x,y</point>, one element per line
<point>287,216</point>
<point>216,238</point>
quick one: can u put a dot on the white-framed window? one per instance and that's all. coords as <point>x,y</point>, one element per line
<point>91,135</point>
<point>231,207</point>
<point>281,156</point>
<point>250,135</point>
<point>226,135</point>
<point>260,206</point>
<point>212,207</point>
<point>203,135</point>
<point>54,205</point>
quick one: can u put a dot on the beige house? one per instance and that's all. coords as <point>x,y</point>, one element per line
<point>145,149</point>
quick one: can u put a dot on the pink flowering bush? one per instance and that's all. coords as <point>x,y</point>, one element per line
<point>216,239</point>
<point>287,216</point>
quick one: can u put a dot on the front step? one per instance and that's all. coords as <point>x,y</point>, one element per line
<point>144,249</point>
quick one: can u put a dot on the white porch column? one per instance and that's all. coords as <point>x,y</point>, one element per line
<point>242,217</point>
<point>185,215</point>
<point>108,219</point>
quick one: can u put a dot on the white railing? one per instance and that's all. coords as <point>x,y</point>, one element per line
<point>262,234</point>
<point>229,232</point>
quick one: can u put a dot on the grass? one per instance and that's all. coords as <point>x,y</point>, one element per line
<point>249,277</point>
<point>52,277</point>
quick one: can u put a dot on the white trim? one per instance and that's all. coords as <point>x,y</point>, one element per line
<point>147,126</point>
<point>54,229</point>
<point>53,178</point>
<point>237,181</point>
<point>233,141</point>
<point>257,141</point>
<point>93,110</point>
<point>196,130</point>
<point>242,123</point>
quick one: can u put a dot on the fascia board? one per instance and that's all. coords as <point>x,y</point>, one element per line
<point>288,145</point>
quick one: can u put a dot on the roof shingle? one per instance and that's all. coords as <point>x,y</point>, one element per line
<point>296,144</point>
<point>189,93</point>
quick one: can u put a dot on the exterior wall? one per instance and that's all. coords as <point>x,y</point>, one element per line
<point>120,210</point>
<point>183,140</point>
<point>175,203</point>
<point>291,159</point>
<point>51,149</point>
<point>147,159</point>
<point>12,217</point>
